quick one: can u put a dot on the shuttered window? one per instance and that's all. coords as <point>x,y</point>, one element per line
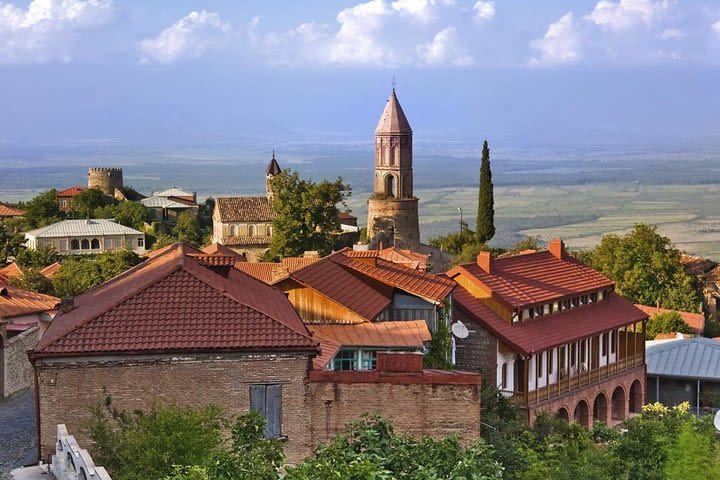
<point>267,399</point>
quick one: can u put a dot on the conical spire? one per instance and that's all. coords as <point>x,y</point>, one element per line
<point>393,120</point>
<point>273,167</point>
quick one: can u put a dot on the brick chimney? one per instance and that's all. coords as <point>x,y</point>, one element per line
<point>557,248</point>
<point>484,261</point>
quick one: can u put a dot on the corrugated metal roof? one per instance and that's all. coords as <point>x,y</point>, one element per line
<point>164,202</point>
<point>82,228</point>
<point>696,358</point>
<point>173,192</point>
<point>6,211</point>
<point>17,301</point>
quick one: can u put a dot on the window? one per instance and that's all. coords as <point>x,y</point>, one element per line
<point>141,242</point>
<point>85,244</point>
<point>593,297</point>
<point>613,340</point>
<point>108,243</point>
<point>267,400</point>
<point>233,230</point>
<point>540,365</point>
<point>252,230</point>
<point>574,302</point>
<point>368,360</point>
<point>565,304</point>
<point>503,376</point>
<point>62,246</point>
<point>583,351</point>
<point>603,349</point>
<point>573,354</point>
<point>268,231</point>
<point>74,245</point>
<point>344,360</point>
<point>538,311</point>
<point>95,244</point>
<point>563,352</point>
<point>553,354</point>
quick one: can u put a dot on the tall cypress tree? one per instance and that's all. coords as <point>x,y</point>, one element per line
<point>486,204</point>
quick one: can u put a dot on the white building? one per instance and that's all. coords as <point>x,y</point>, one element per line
<point>71,237</point>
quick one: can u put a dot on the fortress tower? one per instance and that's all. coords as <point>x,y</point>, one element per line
<point>392,209</point>
<point>106,179</point>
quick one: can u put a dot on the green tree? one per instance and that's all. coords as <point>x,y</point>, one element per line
<point>11,241</point>
<point>43,209</point>
<point>306,214</point>
<point>79,274</point>
<point>130,214</point>
<point>32,279</point>
<point>485,228</point>
<point>187,228</point>
<point>646,269</point>
<point>41,257</point>
<point>85,203</point>
<point>667,322</point>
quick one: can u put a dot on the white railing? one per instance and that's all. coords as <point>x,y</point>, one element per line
<point>71,462</point>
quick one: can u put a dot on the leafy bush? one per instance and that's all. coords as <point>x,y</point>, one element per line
<point>666,322</point>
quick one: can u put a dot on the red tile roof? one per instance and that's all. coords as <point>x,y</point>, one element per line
<point>267,272</point>
<point>6,211</point>
<point>16,301</point>
<point>173,303</point>
<point>296,263</point>
<point>534,278</point>
<point>70,192</point>
<point>414,260</point>
<point>248,240</point>
<point>12,270</point>
<point>220,249</point>
<point>398,334</point>
<point>543,333</point>
<point>51,270</point>
<point>696,321</point>
<point>244,209</point>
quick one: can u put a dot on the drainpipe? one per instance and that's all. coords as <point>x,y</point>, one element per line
<point>698,399</point>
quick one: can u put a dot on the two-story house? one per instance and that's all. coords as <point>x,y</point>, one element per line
<point>554,335</point>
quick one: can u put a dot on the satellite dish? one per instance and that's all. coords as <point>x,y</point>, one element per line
<point>459,329</point>
<point>717,421</point>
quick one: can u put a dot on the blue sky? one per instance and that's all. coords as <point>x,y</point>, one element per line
<point>638,72</point>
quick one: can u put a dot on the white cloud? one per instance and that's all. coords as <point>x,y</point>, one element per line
<point>670,33</point>
<point>484,11</point>
<point>43,31</point>
<point>421,10</point>
<point>355,41</point>
<point>561,43</point>
<point>626,14</point>
<point>444,50</point>
<point>190,37</point>
<point>716,26</point>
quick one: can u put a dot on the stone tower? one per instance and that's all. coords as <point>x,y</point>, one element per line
<point>392,209</point>
<point>106,179</point>
<point>272,169</point>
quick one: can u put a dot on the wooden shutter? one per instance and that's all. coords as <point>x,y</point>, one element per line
<point>257,398</point>
<point>273,411</point>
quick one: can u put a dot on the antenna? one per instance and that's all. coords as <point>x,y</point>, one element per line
<point>459,329</point>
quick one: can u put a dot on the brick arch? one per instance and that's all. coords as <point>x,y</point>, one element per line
<point>390,185</point>
<point>636,397</point>
<point>618,403</point>
<point>601,408</point>
<point>581,414</point>
<point>563,414</point>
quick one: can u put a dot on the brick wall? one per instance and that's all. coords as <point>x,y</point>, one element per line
<point>69,388</point>
<point>404,215</point>
<point>478,351</point>
<point>18,371</point>
<point>419,409</point>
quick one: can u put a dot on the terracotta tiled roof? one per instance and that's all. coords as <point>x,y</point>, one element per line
<point>70,192</point>
<point>16,301</point>
<point>296,263</point>
<point>3,280</point>
<point>51,270</point>
<point>361,253</point>
<point>393,119</point>
<point>696,321</point>
<point>543,333</point>
<point>244,209</point>
<point>12,270</point>
<point>416,282</point>
<point>343,215</point>
<point>534,278</point>
<point>173,303</point>
<point>414,260</point>
<point>220,249</point>
<point>267,272</point>
<point>399,334</point>
<point>239,241</point>
<point>696,265</point>
<point>6,211</point>
<point>340,284</point>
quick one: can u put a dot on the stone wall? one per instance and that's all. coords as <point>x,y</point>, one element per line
<point>18,370</point>
<point>400,213</point>
<point>68,388</point>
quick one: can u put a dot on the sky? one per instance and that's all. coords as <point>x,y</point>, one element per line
<point>518,72</point>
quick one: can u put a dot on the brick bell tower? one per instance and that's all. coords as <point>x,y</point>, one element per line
<point>392,209</point>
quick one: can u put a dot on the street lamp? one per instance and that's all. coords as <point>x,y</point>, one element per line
<point>461,220</point>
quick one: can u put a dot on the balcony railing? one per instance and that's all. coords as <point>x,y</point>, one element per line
<point>579,380</point>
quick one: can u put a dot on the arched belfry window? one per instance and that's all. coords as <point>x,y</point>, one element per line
<point>390,185</point>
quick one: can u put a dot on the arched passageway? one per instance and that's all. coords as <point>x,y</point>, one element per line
<point>618,403</point>
<point>600,409</point>
<point>390,185</point>
<point>582,414</point>
<point>563,414</point>
<point>636,397</point>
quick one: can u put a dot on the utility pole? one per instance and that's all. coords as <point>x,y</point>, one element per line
<point>461,220</point>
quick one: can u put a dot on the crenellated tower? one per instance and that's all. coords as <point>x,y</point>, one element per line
<point>106,179</point>
<point>392,209</point>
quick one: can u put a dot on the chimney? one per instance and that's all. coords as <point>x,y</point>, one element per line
<point>557,248</point>
<point>484,261</point>
<point>311,254</point>
<point>66,304</point>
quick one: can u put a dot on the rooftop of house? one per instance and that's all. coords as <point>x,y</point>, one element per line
<point>530,279</point>
<point>174,192</point>
<point>696,358</point>
<point>167,202</point>
<point>408,258</point>
<point>696,265</point>
<point>71,192</point>
<point>11,270</point>
<point>244,209</point>
<point>542,333</point>
<point>393,119</point>
<point>82,228</point>
<point>173,302</point>
<point>51,270</point>
<point>6,211</point>
<point>15,301</point>
<point>394,334</point>
<point>696,321</point>
<point>220,249</point>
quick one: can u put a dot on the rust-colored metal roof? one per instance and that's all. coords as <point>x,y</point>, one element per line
<point>244,209</point>
<point>16,301</point>
<point>220,249</point>
<point>292,264</point>
<point>12,270</point>
<point>51,270</point>
<point>396,334</point>
<point>543,333</point>
<point>361,253</point>
<point>173,303</point>
<point>696,321</point>
<point>71,192</point>
<point>533,278</point>
<point>432,287</point>
<point>267,272</point>
<point>414,260</point>
<point>6,211</point>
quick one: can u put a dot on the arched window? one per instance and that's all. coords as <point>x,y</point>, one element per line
<point>386,155</point>
<point>390,185</point>
<point>395,156</point>
<point>233,230</point>
<point>95,244</point>
<point>252,230</point>
<point>268,230</point>
<point>74,245</point>
<point>85,244</point>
